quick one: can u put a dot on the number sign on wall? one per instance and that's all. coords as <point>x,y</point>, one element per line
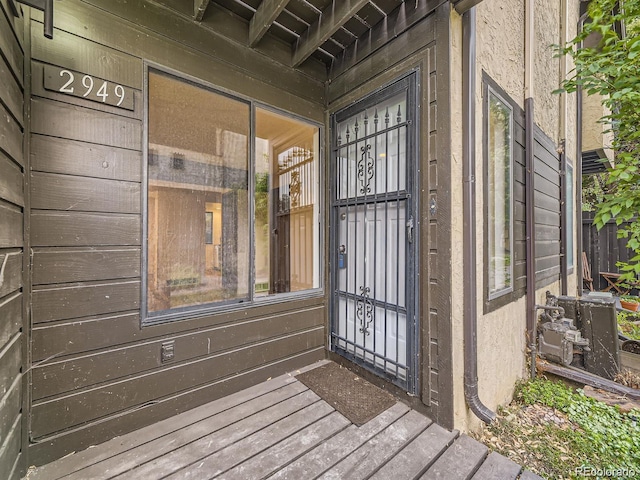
<point>87,87</point>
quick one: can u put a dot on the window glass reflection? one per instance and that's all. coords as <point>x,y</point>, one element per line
<point>286,204</point>
<point>197,216</point>
<point>499,198</point>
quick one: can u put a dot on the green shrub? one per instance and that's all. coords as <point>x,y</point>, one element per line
<point>605,437</point>
<point>628,326</point>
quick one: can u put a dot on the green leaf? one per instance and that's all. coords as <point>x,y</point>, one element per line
<point>611,68</point>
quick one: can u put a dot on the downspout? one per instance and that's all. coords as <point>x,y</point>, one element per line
<point>564,241</point>
<point>529,40</point>
<point>470,314</point>
<point>562,136</point>
<point>578,175</point>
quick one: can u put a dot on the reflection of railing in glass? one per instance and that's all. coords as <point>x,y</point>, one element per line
<point>294,220</point>
<point>296,179</point>
<point>177,161</point>
<point>286,204</point>
<point>295,188</point>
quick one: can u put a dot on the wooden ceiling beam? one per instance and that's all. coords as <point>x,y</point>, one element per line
<point>331,19</point>
<point>264,17</point>
<point>199,7</point>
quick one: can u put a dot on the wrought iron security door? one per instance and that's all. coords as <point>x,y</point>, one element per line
<point>373,241</point>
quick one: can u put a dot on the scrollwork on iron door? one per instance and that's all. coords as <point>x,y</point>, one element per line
<point>366,169</point>
<point>364,310</point>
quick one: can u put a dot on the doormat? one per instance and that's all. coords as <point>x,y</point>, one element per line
<point>349,394</point>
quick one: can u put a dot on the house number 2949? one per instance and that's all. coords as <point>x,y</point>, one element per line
<point>88,83</point>
<point>88,87</point>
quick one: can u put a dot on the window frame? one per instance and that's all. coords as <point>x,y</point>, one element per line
<point>491,90</point>
<point>250,300</point>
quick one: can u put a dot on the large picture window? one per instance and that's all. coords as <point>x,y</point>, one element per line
<point>207,245</point>
<point>500,191</point>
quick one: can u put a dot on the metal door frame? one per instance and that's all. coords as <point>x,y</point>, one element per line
<point>409,82</point>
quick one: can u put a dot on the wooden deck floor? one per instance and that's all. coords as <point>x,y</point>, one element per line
<point>282,430</point>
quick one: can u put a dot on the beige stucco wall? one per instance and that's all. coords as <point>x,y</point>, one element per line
<point>500,47</point>
<point>457,271</point>
<point>594,135</point>
<point>573,12</point>
<point>546,70</point>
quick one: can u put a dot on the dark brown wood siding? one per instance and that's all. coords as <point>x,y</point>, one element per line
<point>547,209</point>
<point>96,372</point>
<point>12,205</point>
<point>519,205</point>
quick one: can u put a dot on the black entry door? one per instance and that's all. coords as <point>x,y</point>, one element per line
<point>373,221</point>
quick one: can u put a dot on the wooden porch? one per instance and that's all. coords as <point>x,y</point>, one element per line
<point>281,429</point>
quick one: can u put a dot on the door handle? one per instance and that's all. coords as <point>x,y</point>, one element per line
<point>410,230</point>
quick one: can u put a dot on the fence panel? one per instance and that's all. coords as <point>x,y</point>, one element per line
<point>604,249</point>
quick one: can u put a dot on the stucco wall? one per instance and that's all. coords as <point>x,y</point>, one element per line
<point>500,50</point>
<point>594,135</point>
<point>500,47</point>
<point>573,14</point>
<point>457,270</point>
<point>546,71</point>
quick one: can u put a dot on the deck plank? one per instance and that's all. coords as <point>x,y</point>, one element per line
<point>416,457</point>
<point>196,450</point>
<point>460,461</point>
<point>497,467</point>
<point>167,444</point>
<point>332,451</point>
<point>282,430</point>
<point>529,475</point>
<point>251,445</point>
<point>274,458</point>
<point>377,451</point>
<point>118,445</point>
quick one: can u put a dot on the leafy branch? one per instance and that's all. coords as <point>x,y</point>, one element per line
<point>611,69</point>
